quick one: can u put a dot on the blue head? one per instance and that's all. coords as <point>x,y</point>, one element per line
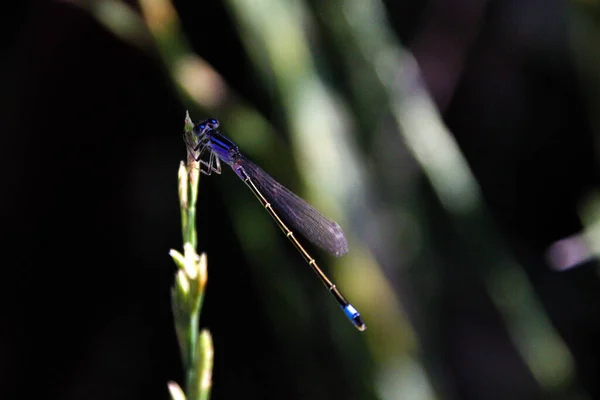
<point>210,124</point>
<point>219,145</point>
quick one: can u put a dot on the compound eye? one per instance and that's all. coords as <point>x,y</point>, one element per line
<point>202,127</point>
<point>213,123</point>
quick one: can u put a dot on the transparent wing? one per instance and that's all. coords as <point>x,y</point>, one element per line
<point>297,213</point>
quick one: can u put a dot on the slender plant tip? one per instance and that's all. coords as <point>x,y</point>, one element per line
<point>188,291</point>
<point>189,124</point>
<point>175,391</point>
<point>192,165</point>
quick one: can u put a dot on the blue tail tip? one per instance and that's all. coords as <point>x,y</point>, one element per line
<point>354,317</point>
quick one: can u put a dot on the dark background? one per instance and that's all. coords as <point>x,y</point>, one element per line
<point>460,305</point>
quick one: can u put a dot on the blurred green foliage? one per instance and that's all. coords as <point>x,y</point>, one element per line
<point>358,136</point>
